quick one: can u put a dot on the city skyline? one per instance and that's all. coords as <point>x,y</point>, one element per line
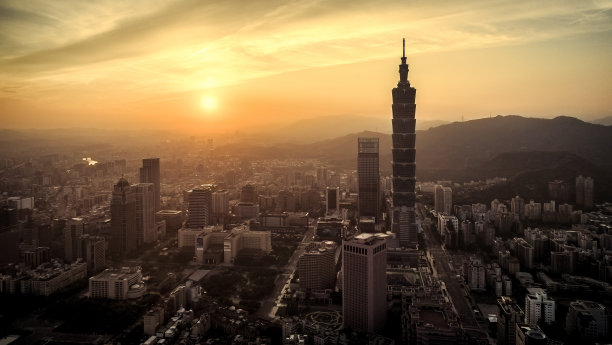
<point>201,66</point>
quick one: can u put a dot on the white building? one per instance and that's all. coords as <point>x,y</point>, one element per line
<point>124,283</point>
<point>538,306</point>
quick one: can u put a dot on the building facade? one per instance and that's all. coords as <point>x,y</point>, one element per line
<point>404,153</point>
<point>124,237</point>
<point>368,177</point>
<point>364,295</point>
<point>150,173</point>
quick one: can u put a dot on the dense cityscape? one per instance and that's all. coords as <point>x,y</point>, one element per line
<point>195,246</point>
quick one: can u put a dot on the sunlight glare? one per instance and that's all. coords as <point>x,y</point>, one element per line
<point>208,103</point>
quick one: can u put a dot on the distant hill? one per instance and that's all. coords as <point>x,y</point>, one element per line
<point>306,131</point>
<point>460,145</point>
<point>606,121</point>
<point>467,144</point>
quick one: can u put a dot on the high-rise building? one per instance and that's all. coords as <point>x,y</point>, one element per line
<point>248,194</point>
<point>509,315</point>
<point>317,266</point>
<point>94,252</point>
<point>199,207</point>
<point>589,319</point>
<point>332,200</point>
<point>538,307</point>
<point>443,199</point>
<point>145,212</point>
<point>150,173</point>
<point>220,201</point>
<point>584,192</point>
<point>476,275</point>
<point>364,295</point>
<point>124,237</point>
<point>72,239</point>
<point>517,206</point>
<point>369,177</point>
<point>404,168</point>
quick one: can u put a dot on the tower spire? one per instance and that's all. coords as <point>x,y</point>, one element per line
<point>403,68</point>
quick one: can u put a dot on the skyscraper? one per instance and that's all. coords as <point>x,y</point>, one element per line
<point>72,239</point>
<point>145,212</point>
<point>332,200</point>
<point>150,173</point>
<point>403,221</point>
<point>369,177</point>
<point>123,219</point>
<point>199,209</point>
<point>364,294</point>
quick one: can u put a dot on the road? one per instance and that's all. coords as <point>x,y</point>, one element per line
<point>441,266</point>
<point>270,305</point>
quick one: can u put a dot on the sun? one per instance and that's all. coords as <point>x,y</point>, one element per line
<point>208,103</point>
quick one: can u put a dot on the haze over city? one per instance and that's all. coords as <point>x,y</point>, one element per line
<point>306,172</point>
<point>225,66</point>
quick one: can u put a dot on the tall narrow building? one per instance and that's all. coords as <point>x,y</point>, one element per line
<point>369,177</point>
<point>124,235</point>
<point>150,173</point>
<point>199,211</point>
<point>404,168</point>
<point>364,291</point>
<point>145,212</point>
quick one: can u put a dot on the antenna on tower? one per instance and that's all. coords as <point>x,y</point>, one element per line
<point>403,47</point>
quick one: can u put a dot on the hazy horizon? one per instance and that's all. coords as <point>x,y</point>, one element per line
<point>221,67</point>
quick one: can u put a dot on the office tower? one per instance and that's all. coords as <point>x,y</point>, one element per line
<point>199,207</point>
<point>538,307</point>
<point>509,315</point>
<point>588,319</point>
<point>369,177</point>
<point>317,266</point>
<point>332,200</point>
<point>584,192</point>
<point>150,173</point>
<point>124,237</point>
<point>145,212</point>
<point>285,201</point>
<point>248,194</point>
<point>517,206</point>
<point>404,137</point>
<point>220,202</point>
<point>527,334</point>
<point>94,252</point>
<point>364,295</point>
<point>72,239</point>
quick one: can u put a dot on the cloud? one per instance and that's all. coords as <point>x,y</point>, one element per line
<point>179,46</point>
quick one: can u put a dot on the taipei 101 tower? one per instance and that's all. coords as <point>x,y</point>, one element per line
<point>403,221</point>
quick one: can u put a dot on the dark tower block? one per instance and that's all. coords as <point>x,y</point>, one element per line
<point>404,107</point>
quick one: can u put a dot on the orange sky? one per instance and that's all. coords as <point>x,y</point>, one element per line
<point>225,65</point>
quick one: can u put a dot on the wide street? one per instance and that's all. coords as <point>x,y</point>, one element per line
<point>441,264</point>
<point>270,305</point>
